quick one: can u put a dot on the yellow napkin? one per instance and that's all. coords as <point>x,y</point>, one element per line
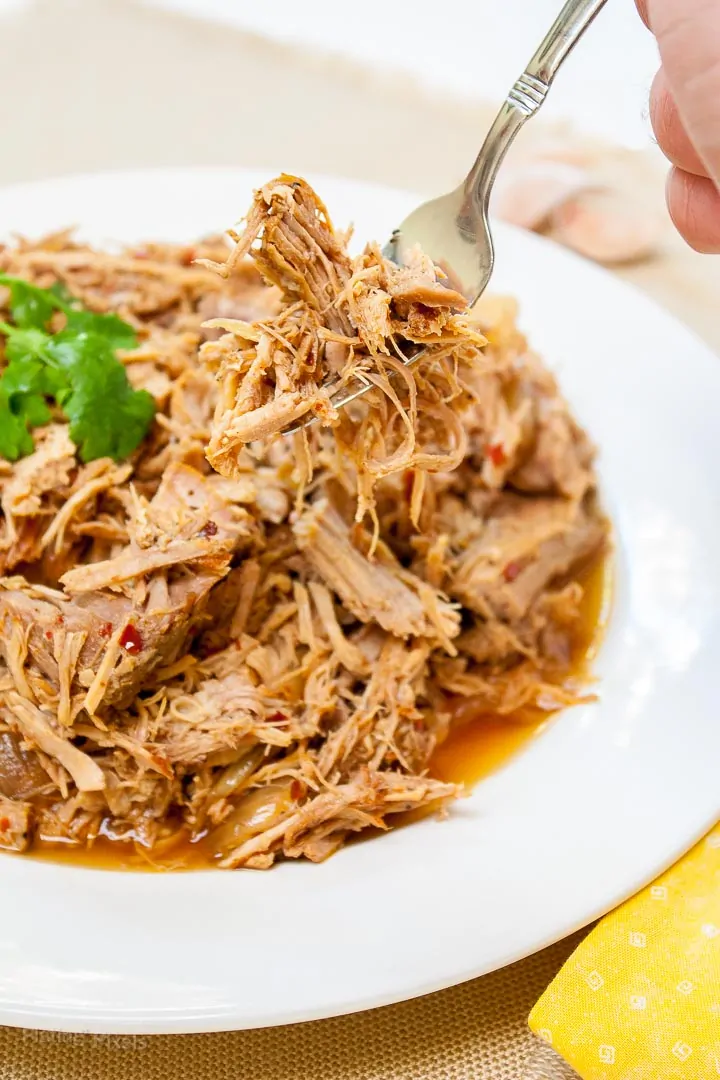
<point>640,998</point>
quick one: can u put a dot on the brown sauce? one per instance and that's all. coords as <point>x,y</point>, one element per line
<point>477,746</point>
<point>105,854</point>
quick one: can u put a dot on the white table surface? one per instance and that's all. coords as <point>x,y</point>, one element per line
<point>473,48</point>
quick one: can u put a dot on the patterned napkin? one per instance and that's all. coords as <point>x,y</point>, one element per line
<point>640,998</point>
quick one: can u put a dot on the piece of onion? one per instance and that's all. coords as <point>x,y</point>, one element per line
<point>233,753</point>
<point>257,811</point>
<point>235,776</point>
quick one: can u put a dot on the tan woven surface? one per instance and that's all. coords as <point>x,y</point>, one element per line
<point>198,94</point>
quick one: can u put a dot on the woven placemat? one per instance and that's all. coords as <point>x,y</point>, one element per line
<point>132,87</point>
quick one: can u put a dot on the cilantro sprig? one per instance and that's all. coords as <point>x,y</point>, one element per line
<point>76,368</point>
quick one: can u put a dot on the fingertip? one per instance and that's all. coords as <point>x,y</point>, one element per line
<point>642,6</point>
<point>687,33</point>
<point>669,130</point>
<point>694,206</point>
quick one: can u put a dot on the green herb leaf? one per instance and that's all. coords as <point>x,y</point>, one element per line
<point>60,290</point>
<point>24,344</point>
<point>28,379</point>
<point>79,321</point>
<point>33,409</point>
<point>30,374</point>
<point>29,305</point>
<point>33,307</point>
<point>119,334</point>
<point>109,425</point>
<point>108,418</point>
<point>15,439</point>
<point>77,367</point>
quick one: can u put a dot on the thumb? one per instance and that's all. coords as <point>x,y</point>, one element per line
<point>688,36</point>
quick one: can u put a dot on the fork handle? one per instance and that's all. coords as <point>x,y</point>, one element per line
<point>528,94</point>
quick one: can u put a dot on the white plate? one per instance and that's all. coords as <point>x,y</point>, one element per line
<point>598,806</point>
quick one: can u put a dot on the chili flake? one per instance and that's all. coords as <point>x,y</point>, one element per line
<point>131,640</point>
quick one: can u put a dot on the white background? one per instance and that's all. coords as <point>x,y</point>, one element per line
<point>474,48</point>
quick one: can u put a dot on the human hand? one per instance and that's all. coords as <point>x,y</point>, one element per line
<point>685,112</point>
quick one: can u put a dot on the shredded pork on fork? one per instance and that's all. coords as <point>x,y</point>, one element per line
<point>343,318</point>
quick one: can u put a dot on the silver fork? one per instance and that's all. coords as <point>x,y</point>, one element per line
<point>454,230</point>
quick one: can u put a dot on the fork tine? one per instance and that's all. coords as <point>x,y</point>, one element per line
<point>389,251</point>
<point>356,388</point>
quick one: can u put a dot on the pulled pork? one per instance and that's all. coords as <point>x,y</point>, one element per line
<point>342,320</point>
<point>257,642</point>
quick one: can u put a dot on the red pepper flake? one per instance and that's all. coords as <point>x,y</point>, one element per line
<point>49,635</point>
<point>311,360</point>
<point>4,824</point>
<point>419,725</point>
<point>59,620</point>
<point>298,790</point>
<point>511,571</point>
<point>275,717</point>
<point>106,630</point>
<point>209,529</point>
<point>496,453</point>
<point>131,640</point>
